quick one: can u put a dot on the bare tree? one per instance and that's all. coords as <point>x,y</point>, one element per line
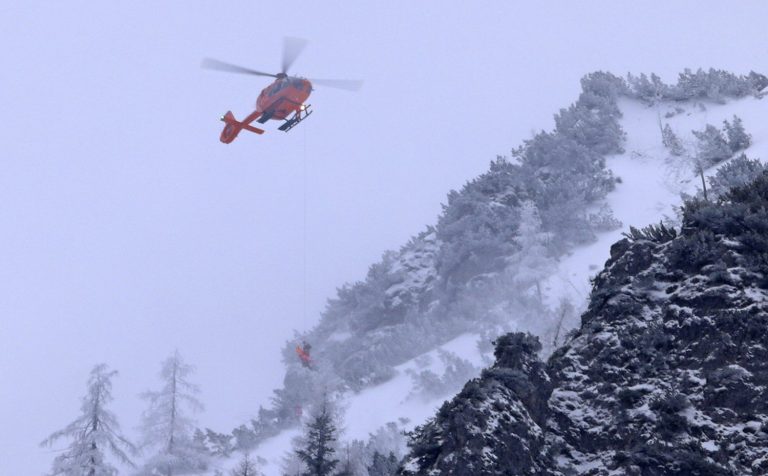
<point>93,432</point>
<point>166,426</point>
<point>247,467</point>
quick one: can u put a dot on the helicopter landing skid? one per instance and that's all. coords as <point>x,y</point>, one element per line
<point>300,115</point>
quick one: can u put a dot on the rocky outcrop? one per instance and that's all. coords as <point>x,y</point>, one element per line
<point>667,374</point>
<point>494,426</point>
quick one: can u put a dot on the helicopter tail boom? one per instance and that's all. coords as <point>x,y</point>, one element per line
<point>232,127</point>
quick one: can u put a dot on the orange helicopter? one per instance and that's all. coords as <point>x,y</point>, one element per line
<point>283,100</point>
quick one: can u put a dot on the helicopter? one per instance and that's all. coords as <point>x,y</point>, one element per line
<point>283,100</point>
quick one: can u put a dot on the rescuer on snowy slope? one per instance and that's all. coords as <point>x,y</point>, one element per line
<point>303,352</point>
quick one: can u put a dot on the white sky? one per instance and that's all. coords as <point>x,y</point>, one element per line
<point>127,229</point>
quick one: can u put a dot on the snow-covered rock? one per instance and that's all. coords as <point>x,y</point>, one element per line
<point>666,374</point>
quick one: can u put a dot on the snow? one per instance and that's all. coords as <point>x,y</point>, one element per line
<point>374,407</point>
<point>755,295</point>
<point>417,265</point>
<point>709,445</point>
<point>391,399</point>
<point>651,180</point>
<point>339,336</point>
<point>650,191</point>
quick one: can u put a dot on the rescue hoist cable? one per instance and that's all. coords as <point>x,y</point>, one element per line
<point>304,233</point>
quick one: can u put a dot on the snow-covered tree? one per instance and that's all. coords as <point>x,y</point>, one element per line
<point>93,433</point>
<point>292,464</point>
<point>735,173</point>
<point>383,465</point>
<point>712,146</point>
<point>603,219</point>
<point>564,313</point>
<point>671,141</point>
<point>650,90</point>
<point>319,446</point>
<point>738,139</point>
<point>531,264</point>
<point>166,427</point>
<point>388,438</point>
<point>354,459</point>
<point>247,467</point>
<point>218,444</point>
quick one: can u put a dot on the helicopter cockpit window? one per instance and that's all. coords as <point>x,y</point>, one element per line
<point>278,87</point>
<point>297,83</point>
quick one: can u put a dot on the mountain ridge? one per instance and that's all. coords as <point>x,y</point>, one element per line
<point>665,375</point>
<point>408,277</point>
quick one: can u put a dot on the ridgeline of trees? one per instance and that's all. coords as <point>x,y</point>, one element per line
<point>482,261</point>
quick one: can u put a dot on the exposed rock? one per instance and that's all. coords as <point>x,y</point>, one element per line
<point>666,376</point>
<point>492,426</point>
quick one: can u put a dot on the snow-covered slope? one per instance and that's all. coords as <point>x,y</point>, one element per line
<point>652,181</point>
<point>650,189</point>
<point>666,375</point>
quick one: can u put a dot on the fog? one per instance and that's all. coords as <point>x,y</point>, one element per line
<point>127,230</point>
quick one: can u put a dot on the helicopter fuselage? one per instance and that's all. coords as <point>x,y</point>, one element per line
<point>282,98</point>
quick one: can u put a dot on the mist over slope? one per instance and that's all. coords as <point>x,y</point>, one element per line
<point>513,250</point>
<point>666,374</point>
<point>511,246</point>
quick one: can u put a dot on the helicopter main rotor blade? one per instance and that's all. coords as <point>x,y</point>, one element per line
<point>210,63</point>
<point>345,84</point>
<point>292,48</point>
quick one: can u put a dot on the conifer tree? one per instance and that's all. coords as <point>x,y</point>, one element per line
<point>354,460</point>
<point>383,465</point>
<point>531,264</point>
<point>565,311</point>
<point>167,428</point>
<point>94,432</point>
<point>671,141</point>
<point>318,450</point>
<point>736,173</point>
<point>738,139</point>
<point>712,146</point>
<point>247,467</point>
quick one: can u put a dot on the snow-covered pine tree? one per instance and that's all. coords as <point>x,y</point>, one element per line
<point>95,431</point>
<point>383,465</point>
<point>292,464</point>
<point>346,468</point>
<point>712,146</point>
<point>318,450</point>
<point>738,139</point>
<point>736,173</point>
<point>247,467</point>
<point>356,458</point>
<point>671,141</point>
<point>564,313</point>
<point>531,263</point>
<point>218,444</point>
<point>166,427</point>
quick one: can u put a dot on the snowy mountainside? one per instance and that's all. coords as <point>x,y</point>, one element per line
<point>652,179</point>
<point>416,265</point>
<point>665,376</point>
<point>391,402</point>
<point>390,306</point>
